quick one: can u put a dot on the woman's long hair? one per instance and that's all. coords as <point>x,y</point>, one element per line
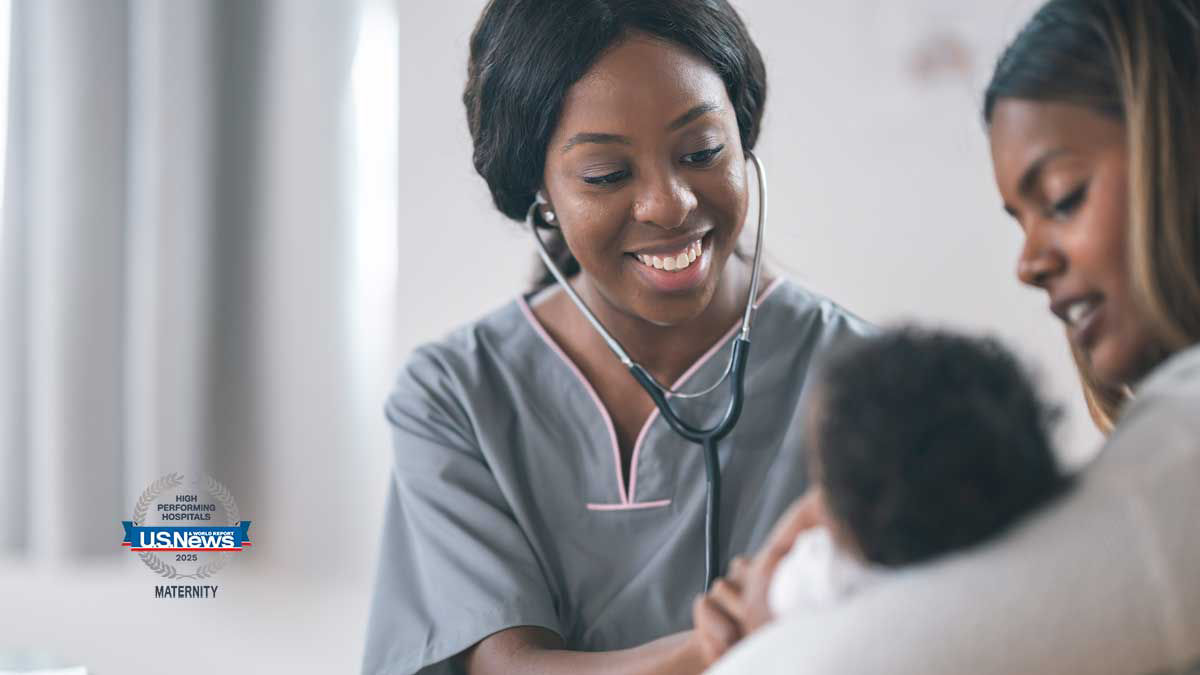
<point>1137,61</point>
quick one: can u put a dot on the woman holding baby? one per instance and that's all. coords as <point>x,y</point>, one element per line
<point>1093,114</point>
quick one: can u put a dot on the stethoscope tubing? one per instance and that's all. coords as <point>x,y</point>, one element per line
<point>707,438</point>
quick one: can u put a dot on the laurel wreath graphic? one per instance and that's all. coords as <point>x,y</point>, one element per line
<point>148,497</point>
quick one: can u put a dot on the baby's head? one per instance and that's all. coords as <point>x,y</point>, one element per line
<point>924,442</point>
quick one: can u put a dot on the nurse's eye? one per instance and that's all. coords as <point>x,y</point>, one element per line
<point>606,179</point>
<point>1066,206</point>
<point>703,157</point>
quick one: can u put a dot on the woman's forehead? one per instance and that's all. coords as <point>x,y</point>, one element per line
<point>1023,131</point>
<point>639,86</point>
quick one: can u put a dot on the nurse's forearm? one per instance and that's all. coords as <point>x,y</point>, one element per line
<point>537,651</point>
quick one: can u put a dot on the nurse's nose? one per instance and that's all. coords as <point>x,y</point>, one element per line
<point>663,200</point>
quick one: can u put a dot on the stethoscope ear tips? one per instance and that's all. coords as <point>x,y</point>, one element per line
<point>540,200</point>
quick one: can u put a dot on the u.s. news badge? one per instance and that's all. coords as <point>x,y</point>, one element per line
<point>186,529</point>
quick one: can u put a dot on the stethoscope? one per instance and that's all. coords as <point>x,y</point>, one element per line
<point>706,438</point>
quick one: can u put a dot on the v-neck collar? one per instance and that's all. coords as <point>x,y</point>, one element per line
<point>629,499</point>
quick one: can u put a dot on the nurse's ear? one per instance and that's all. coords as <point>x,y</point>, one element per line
<point>547,210</point>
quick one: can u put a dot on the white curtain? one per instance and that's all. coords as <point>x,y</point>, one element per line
<point>177,286</point>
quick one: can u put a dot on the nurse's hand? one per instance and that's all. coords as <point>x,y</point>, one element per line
<point>714,628</point>
<point>736,605</point>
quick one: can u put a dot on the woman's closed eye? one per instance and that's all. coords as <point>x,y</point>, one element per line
<point>607,179</point>
<point>699,158</point>
<point>1066,206</point>
<point>703,157</point>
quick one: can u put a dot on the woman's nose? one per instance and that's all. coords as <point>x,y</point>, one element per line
<point>1040,259</point>
<point>664,200</point>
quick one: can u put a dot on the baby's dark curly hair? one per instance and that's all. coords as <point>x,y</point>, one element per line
<point>928,442</point>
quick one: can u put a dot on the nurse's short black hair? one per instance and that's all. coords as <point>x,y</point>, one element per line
<point>928,442</point>
<point>526,54</point>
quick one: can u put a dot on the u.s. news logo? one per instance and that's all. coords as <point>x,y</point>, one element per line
<point>186,527</point>
<point>177,538</point>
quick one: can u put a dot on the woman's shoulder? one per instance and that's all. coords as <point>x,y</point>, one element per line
<point>1176,381</point>
<point>1164,408</point>
<point>1161,426</point>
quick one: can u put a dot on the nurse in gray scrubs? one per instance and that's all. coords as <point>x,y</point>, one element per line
<point>1093,115</point>
<point>541,516</point>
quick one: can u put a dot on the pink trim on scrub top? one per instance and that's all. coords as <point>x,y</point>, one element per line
<point>627,501</point>
<point>637,445</point>
<point>612,429</point>
<point>628,507</point>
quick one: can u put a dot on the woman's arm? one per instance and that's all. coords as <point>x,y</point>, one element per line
<point>537,651</point>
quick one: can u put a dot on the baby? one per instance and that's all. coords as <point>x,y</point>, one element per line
<point>922,443</point>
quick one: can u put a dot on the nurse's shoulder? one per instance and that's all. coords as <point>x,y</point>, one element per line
<point>443,378</point>
<point>809,315</point>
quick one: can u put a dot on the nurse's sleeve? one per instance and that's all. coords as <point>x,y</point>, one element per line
<point>454,566</point>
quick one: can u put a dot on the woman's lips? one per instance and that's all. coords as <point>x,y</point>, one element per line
<point>665,273</point>
<point>1083,319</point>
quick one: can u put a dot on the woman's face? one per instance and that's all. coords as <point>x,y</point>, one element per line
<point>646,176</point>
<point>1063,173</point>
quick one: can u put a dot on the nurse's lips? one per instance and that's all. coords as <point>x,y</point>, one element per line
<point>675,266</point>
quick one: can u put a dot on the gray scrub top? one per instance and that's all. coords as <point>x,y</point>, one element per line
<point>1106,580</point>
<point>507,506</point>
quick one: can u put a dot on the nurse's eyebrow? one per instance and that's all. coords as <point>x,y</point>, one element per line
<point>679,122</point>
<point>589,137</point>
<point>691,115</point>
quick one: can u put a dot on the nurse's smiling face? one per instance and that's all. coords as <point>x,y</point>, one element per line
<point>1063,173</point>
<point>646,166</point>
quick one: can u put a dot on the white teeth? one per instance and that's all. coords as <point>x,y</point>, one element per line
<point>1078,310</point>
<point>1074,312</point>
<point>676,262</point>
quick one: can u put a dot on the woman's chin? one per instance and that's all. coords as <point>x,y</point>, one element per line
<point>674,311</point>
<point>663,306</point>
<point>1116,365</point>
